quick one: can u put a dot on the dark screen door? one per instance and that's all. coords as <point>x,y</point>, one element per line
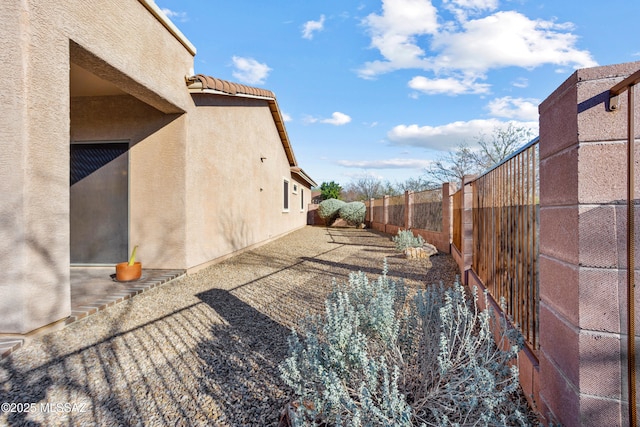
<point>99,202</point>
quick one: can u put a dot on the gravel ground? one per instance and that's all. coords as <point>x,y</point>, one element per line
<point>201,350</point>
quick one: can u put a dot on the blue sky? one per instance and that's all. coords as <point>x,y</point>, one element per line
<point>384,87</point>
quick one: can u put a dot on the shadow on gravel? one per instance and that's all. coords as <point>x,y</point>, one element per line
<point>241,362</point>
<point>417,274</point>
<point>359,237</point>
<point>98,382</point>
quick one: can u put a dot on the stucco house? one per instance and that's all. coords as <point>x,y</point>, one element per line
<point>109,140</point>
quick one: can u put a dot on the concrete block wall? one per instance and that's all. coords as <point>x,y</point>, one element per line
<point>440,239</point>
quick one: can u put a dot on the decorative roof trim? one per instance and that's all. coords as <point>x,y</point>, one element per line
<point>202,82</point>
<point>207,84</point>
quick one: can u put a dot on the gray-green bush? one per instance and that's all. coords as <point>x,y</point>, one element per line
<point>405,239</point>
<point>329,210</point>
<point>353,213</point>
<point>376,358</point>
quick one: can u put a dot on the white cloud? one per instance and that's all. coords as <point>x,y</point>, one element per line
<point>386,164</point>
<point>462,9</point>
<point>514,108</point>
<point>448,86</point>
<point>250,71</point>
<point>337,119</point>
<point>394,34</point>
<point>175,16</point>
<point>521,82</point>
<point>287,117</point>
<point>507,39</point>
<point>448,136</point>
<point>365,174</point>
<point>411,34</point>
<point>312,26</point>
<point>473,4</point>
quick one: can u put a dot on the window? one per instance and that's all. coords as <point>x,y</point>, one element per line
<point>285,207</point>
<point>301,200</point>
<point>295,188</point>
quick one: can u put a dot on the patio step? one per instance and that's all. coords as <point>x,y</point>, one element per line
<point>10,344</point>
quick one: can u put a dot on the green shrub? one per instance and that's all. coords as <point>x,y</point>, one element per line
<point>353,213</point>
<point>405,239</point>
<point>329,210</point>
<point>377,359</point>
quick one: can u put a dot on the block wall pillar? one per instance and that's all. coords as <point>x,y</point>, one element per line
<point>447,210</point>
<point>385,210</point>
<point>371,206</point>
<point>582,251</point>
<point>408,209</point>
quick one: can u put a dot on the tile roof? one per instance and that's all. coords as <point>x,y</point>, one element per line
<point>207,84</point>
<point>230,88</point>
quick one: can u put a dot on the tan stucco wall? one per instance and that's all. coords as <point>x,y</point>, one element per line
<point>234,198</point>
<point>38,39</point>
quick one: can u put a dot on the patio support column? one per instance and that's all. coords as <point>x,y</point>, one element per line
<point>583,247</point>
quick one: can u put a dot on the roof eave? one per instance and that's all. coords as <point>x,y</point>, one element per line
<point>303,176</point>
<point>282,131</point>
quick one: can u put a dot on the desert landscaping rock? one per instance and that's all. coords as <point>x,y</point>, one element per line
<point>203,349</point>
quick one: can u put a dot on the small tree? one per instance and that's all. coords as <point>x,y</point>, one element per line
<point>365,188</point>
<point>503,142</point>
<point>464,160</point>
<point>454,165</point>
<point>370,187</point>
<point>420,183</point>
<point>330,190</point>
